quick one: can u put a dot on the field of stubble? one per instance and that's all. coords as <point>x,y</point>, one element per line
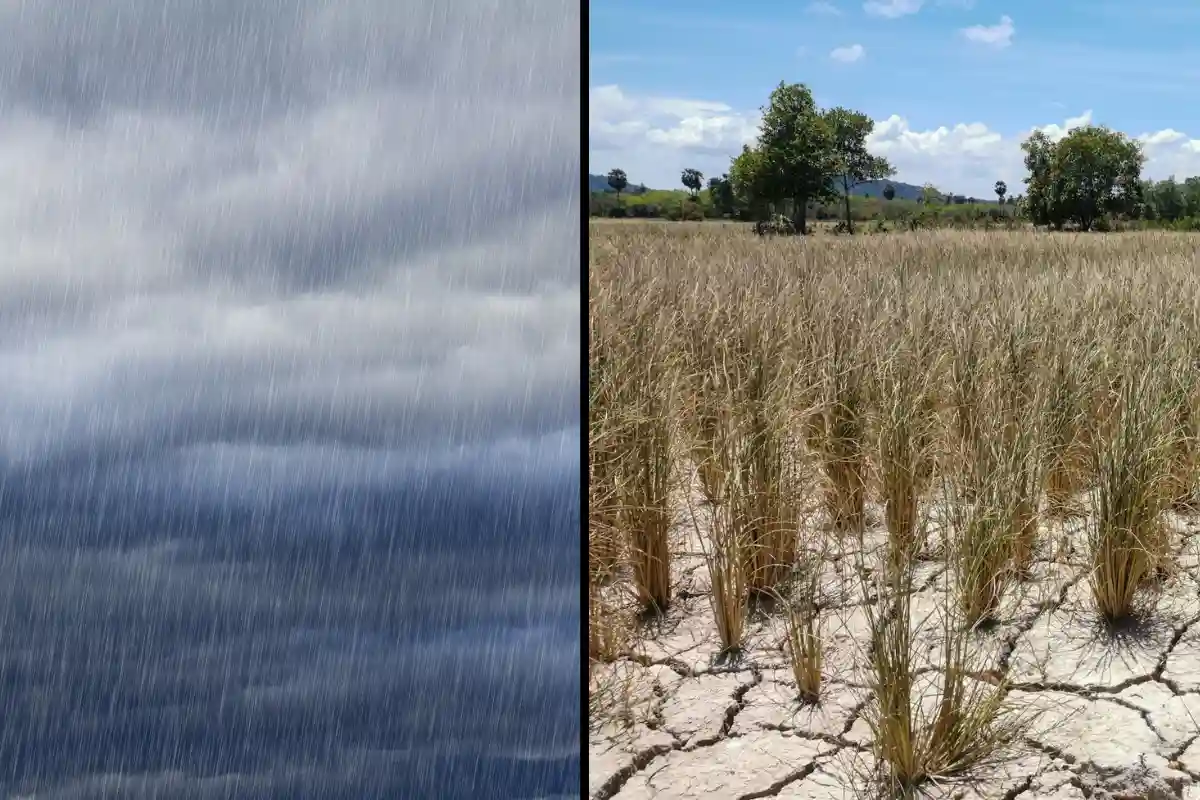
<point>893,515</point>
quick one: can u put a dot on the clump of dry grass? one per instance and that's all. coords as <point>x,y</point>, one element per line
<point>804,644</point>
<point>645,504</point>
<point>935,726</point>
<point>907,431</point>
<point>1019,463</point>
<point>983,528</point>
<point>604,540</point>
<point>724,539</point>
<point>709,419</point>
<point>1184,456</point>
<point>725,557</point>
<point>1023,470</point>
<point>806,651</point>
<point>836,427</point>
<point>1127,539</point>
<point>968,370</point>
<point>633,427</point>
<point>1064,419</point>
<point>771,472</point>
<point>609,626</point>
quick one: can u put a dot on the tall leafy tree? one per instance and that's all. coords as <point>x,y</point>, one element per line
<point>720,190</point>
<point>889,192</point>
<point>618,181</point>
<point>1191,197</point>
<point>1101,173</point>
<point>852,164</point>
<point>1091,172</point>
<point>1001,189</point>
<point>1168,199</point>
<point>1041,204</point>
<point>692,180</point>
<point>795,150</point>
<point>748,181</point>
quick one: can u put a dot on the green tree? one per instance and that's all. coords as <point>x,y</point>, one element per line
<point>1041,206</point>
<point>930,194</point>
<point>1001,189</point>
<point>720,191</point>
<point>1167,199</point>
<point>889,192</point>
<point>852,163</point>
<point>1191,197</point>
<point>618,181</point>
<point>692,180</point>
<point>748,181</point>
<point>1091,172</point>
<point>795,151</point>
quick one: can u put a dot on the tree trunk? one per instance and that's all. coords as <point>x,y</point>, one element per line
<point>800,215</point>
<point>846,196</point>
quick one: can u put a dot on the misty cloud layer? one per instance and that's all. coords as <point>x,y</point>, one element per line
<point>289,342</point>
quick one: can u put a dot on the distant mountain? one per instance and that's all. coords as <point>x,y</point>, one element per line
<point>599,183</point>
<point>904,191</point>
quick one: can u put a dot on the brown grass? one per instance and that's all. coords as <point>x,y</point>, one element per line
<point>1128,539</point>
<point>985,375</point>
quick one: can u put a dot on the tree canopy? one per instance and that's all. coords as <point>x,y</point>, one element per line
<point>618,181</point>
<point>852,164</point>
<point>804,154</point>
<point>1089,173</point>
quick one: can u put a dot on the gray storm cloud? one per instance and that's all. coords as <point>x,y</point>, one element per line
<point>289,413</point>
<point>391,256</point>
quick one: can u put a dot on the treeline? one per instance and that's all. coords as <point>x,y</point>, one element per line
<point>945,211</point>
<point>1172,204</point>
<point>806,162</point>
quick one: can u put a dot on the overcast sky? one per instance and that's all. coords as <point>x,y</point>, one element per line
<point>289,428</point>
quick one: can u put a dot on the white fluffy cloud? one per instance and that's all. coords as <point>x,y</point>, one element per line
<point>848,54</point>
<point>998,36</point>
<point>621,122</point>
<point>823,8</point>
<point>966,158</point>
<point>891,9</point>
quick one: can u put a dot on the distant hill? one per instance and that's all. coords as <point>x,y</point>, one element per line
<point>904,191</point>
<point>599,183</point>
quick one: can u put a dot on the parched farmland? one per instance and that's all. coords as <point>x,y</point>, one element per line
<point>893,515</point>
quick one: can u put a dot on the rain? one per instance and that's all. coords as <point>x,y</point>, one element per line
<point>289,399</point>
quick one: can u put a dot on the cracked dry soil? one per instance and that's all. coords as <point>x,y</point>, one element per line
<point>1118,716</point>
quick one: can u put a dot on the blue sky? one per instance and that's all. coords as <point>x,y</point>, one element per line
<point>953,84</point>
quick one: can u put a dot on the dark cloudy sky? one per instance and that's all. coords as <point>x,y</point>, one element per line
<point>289,380</point>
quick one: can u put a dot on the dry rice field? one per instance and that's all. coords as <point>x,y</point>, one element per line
<point>893,515</point>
